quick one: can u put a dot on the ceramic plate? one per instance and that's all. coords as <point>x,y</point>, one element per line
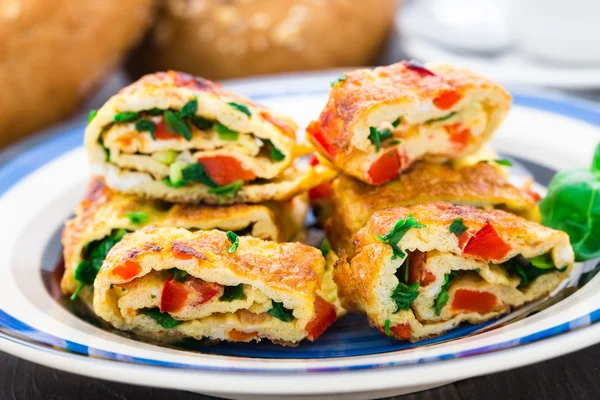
<point>40,185</point>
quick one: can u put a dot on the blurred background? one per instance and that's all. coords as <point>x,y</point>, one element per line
<point>58,58</point>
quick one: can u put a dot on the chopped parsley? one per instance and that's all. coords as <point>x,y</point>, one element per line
<point>339,80</point>
<point>228,191</point>
<point>154,111</point>
<point>325,247</point>
<point>241,108</point>
<point>376,136</point>
<point>137,217</point>
<point>145,125</point>
<point>224,132</point>
<point>280,312</point>
<point>232,293</point>
<point>458,227</point>
<point>445,117</point>
<point>394,236</point>
<point>504,162</point>
<point>176,124</point>
<point>442,297</point>
<point>126,116</point>
<point>404,295</point>
<point>397,122</point>
<point>395,142</point>
<point>189,108</point>
<point>94,254</point>
<point>276,154</point>
<point>234,240</point>
<point>164,319</point>
<point>179,275</point>
<point>92,115</point>
<point>530,269</point>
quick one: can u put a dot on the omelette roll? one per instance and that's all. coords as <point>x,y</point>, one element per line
<point>378,122</point>
<point>104,216</point>
<point>483,185</point>
<point>420,271</point>
<point>180,138</point>
<point>169,284</point>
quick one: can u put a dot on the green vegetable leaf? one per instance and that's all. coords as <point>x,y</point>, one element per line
<point>179,275</point>
<point>201,123</point>
<point>137,217</point>
<point>394,236</point>
<point>395,142</point>
<point>145,125</point>
<point>397,122</point>
<point>573,205</point>
<point>94,254</point>
<point>276,154</point>
<point>530,270</point>
<point>234,240</point>
<point>232,293</point>
<point>241,108</point>
<point>126,116</point>
<point>177,125</point>
<point>228,191</point>
<point>325,247</point>
<point>445,117</point>
<point>386,328</point>
<point>164,319</point>
<point>457,227</point>
<point>404,295</point>
<point>189,108</point>
<point>224,132</point>
<point>154,111</point>
<point>506,163</point>
<point>376,136</point>
<point>339,80</point>
<point>197,173</point>
<point>442,297</point>
<point>543,262</point>
<point>280,312</point>
<point>92,115</point>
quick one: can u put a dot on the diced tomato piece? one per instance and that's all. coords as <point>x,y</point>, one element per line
<point>224,170</point>
<point>316,132</point>
<point>161,132</point>
<point>419,69</point>
<point>314,161</point>
<point>323,191</point>
<point>401,332</point>
<point>282,125</point>
<point>459,135</point>
<point>416,268</point>
<point>463,239</point>
<point>202,291</point>
<point>386,167</point>
<point>447,99</point>
<point>324,317</point>
<point>487,244</point>
<point>475,301</point>
<point>534,194</point>
<point>127,270</point>
<point>174,296</point>
<point>239,336</point>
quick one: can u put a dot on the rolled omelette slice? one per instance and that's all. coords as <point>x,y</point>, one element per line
<point>379,121</point>
<point>482,185</point>
<point>105,215</point>
<point>420,271</point>
<point>170,284</point>
<point>180,138</point>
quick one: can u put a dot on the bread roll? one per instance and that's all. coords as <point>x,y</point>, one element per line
<point>53,52</point>
<point>221,39</point>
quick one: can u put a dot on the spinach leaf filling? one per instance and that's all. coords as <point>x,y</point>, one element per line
<point>530,269</point>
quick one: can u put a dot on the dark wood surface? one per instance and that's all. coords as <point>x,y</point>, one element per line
<point>574,376</point>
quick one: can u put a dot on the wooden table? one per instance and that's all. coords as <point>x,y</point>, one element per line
<point>574,376</point>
